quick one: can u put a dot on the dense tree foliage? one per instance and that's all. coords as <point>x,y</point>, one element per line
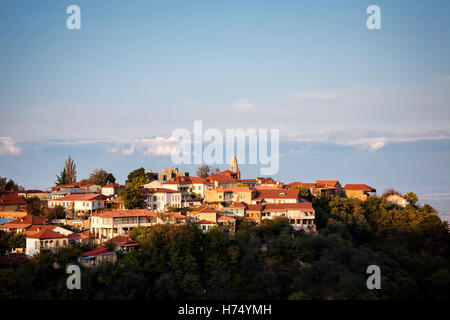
<point>204,171</point>
<point>271,261</point>
<point>101,177</point>
<point>8,185</point>
<point>132,196</point>
<point>139,173</point>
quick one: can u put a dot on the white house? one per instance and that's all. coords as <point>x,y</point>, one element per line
<point>108,224</point>
<point>80,202</point>
<point>159,199</point>
<point>45,239</point>
<point>112,189</point>
<point>396,199</point>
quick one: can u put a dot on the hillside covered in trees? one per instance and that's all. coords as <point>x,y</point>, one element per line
<point>271,261</point>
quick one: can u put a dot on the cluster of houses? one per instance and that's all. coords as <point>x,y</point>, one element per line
<point>218,200</point>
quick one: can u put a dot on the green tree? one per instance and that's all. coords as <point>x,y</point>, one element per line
<point>69,173</point>
<point>132,196</point>
<point>8,185</point>
<point>34,206</point>
<point>101,177</point>
<point>17,241</point>
<point>412,198</point>
<point>139,173</point>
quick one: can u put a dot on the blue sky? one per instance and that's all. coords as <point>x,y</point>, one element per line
<point>358,105</point>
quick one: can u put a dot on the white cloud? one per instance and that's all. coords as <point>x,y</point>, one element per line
<point>368,140</point>
<point>157,146</point>
<point>243,105</point>
<point>8,146</point>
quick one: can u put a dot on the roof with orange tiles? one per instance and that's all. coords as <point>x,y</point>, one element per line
<point>327,183</point>
<point>225,218</point>
<point>125,213</point>
<point>186,180</point>
<point>46,234</point>
<point>203,209</point>
<point>32,191</point>
<point>357,187</point>
<point>276,194</point>
<point>82,197</point>
<point>11,199</point>
<point>82,235</point>
<point>221,178</point>
<point>96,252</point>
<point>394,196</point>
<point>234,189</point>
<point>302,206</point>
<point>238,205</point>
<point>24,222</point>
<point>174,215</point>
<point>203,222</point>
<point>123,241</point>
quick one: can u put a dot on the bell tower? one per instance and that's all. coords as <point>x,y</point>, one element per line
<point>234,166</point>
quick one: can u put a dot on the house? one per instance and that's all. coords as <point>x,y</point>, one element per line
<point>227,223</point>
<point>108,224</point>
<point>82,203</point>
<point>52,227</point>
<point>10,200</point>
<point>359,191</point>
<point>222,180</point>
<point>206,217</point>
<point>114,204</point>
<point>204,225</point>
<point>188,186</point>
<point>85,238</point>
<point>23,224</point>
<point>112,189</point>
<point>56,194</point>
<point>248,182</point>
<point>329,188</point>
<point>42,195</point>
<point>301,215</point>
<point>276,195</point>
<point>236,209</point>
<point>160,199</point>
<point>82,185</point>
<point>230,194</point>
<point>203,213</point>
<point>45,239</point>
<point>97,256</point>
<point>396,199</point>
<point>123,243</point>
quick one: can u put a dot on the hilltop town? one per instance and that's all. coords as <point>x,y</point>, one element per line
<point>98,216</point>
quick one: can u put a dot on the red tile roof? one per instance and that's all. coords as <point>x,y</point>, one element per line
<point>203,209</point>
<point>24,222</point>
<point>46,234</point>
<point>114,185</point>
<point>362,187</point>
<point>96,252</point>
<point>238,205</point>
<point>327,183</point>
<point>276,194</point>
<point>225,218</point>
<point>82,197</point>
<point>203,222</point>
<point>125,213</point>
<point>8,198</point>
<point>221,178</point>
<point>186,180</point>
